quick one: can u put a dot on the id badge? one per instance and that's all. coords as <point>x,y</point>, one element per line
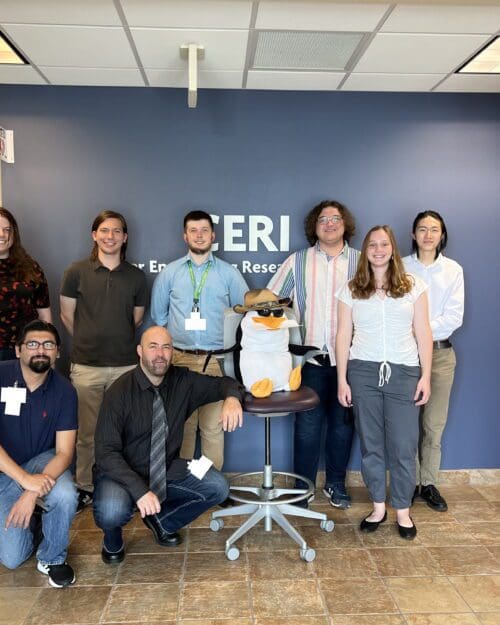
<point>13,397</point>
<point>195,322</point>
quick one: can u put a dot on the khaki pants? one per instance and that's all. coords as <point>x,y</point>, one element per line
<point>433,416</point>
<point>205,417</point>
<point>90,384</point>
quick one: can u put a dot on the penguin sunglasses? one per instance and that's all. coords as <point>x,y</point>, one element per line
<point>267,312</point>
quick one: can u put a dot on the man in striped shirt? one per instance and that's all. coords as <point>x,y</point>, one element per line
<point>312,277</point>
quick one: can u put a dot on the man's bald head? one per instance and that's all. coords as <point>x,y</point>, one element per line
<point>155,353</point>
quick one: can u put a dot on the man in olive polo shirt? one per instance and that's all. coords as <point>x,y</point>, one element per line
<point>102,303</point>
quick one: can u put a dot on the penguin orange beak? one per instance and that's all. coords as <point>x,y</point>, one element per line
<point>271,323</point>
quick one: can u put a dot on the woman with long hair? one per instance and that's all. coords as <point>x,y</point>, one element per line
<point>24,294</point>
<point>384,354</point>
<point>445,278</point>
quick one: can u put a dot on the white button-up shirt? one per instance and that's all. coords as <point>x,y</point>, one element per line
<point>445,278</point>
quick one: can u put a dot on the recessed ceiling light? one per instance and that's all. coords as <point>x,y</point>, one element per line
<point>8,54</point>
<point>486,61</point>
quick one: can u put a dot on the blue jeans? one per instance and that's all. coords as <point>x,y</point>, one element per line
<point>16,543</point>
<point>186,500</point>
<point>308,425</point>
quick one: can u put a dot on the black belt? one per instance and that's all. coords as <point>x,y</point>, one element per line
<point>204,352</point>
<point>323,360</point>
<point>446,344</point>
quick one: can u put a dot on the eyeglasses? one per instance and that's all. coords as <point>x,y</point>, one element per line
<point>48,345</point>
<point>335,219</point>
<point>267,312</point>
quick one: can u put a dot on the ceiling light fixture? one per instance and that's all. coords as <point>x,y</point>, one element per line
<point>8,53</point>
<point>486,61</point>
<point>192,52</point>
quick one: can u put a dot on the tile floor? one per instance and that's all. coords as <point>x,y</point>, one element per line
<point>450,575</point>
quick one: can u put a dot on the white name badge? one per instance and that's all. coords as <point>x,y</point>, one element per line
<point>13,398</point>
<point>199,467</point>
<point>195,322</point>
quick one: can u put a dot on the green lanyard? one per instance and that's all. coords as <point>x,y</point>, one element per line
<point>197,289</point>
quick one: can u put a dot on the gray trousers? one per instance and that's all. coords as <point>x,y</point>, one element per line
<point>387,422</point>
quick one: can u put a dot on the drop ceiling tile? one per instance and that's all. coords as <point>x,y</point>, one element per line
<point>472,83</point>
<point>73,46</point>
<point>443,19</point>
<point>319,16</point>
<point>294,81</point>
<point>93,76</point>
<point>92,12</point>
<point>20,75</point>
<point>391,82</point>
<point>206,80</point>
<point>417,54</point>
<point>188,13</point>
<point>159,47</point>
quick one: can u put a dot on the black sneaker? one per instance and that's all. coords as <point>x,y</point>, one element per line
<point>338,496</point>
<point>60,575</point>
<point>433,498</point>
<point>85,498</point>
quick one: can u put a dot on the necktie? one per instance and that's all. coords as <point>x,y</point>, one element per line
<point>159,433</point>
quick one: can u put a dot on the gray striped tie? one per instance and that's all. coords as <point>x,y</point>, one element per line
<point>159,433</point>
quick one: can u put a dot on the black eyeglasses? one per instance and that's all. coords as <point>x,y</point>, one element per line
<point>267,312</point>
<point>48,345</point>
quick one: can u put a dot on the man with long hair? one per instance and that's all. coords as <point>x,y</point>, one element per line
<point>312,277</point>
<point>102,303</point>
<point>445,278</point>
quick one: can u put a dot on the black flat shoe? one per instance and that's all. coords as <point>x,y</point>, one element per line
<point>115,557</point>
<point>163,538</point>
<point>433,498</point>
<point>408,533</point>
<point>372,526</point>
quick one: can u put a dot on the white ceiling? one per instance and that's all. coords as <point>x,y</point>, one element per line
<point>401,47</point>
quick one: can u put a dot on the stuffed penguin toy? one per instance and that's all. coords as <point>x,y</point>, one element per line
<point>265,360</point>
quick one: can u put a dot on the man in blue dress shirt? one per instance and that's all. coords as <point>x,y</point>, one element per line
<point>189,297</point>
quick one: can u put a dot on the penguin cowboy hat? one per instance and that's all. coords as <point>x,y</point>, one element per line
<point>261,299</point>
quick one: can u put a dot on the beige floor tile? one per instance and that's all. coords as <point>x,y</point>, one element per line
<point>359,494</point>
<point>23,577</point>
<point>482,592</point>
<point>343,536</point>
<point>387,536</point>
<point>442,619</point>
<point>425,594</point>
<point>489,618</point>
<point>209,600</point>
<point>258,539</point>
<point>86,542</point>
<point>344,563</point>
<point>142,602</point>
<point>368,619</point>
<point>405,562</point>
<point>286,598</point>
<point>71,605</point>
<point>465,560</point>
<point>484,533</point>
<point>214,565</point>
<point>279,565</point>
<point>151,568</point>
<point>421,513</point>
<point>355,596</point>
<point>15,604</point>
<point>91,571</point>
<point>476,512</point>
<point>495,550</point>
<point>445,535</point>
<point>212,621</point>
<point>491,493</point>
<point>290,620</point>
<point>339,517</point>
<point>142,541</point>
<point>229,521</point>
<point>461,493</point>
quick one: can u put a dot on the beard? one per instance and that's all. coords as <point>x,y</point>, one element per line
<point>158,367</point>
<point>200,249</point>
<point>39,364</point>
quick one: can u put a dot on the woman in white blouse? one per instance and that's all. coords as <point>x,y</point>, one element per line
<point>384,348</point>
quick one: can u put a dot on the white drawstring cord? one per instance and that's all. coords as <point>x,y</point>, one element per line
<point>381,378</point>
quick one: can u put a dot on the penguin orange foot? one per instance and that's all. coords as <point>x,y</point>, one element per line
<point>295,379</point>
<point>262,388</point>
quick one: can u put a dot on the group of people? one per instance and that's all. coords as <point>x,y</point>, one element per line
<point>382,323</point>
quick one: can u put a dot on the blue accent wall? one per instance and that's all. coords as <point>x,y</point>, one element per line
<point>387,156</point>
